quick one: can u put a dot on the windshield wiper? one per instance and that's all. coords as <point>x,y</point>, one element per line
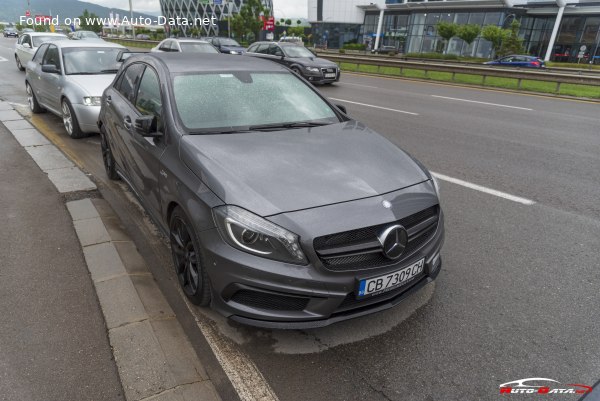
<point>304,124</point>
<point>111,71</point>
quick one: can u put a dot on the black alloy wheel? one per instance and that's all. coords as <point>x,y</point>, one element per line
<point>107,157</point>
<point>188,260</point>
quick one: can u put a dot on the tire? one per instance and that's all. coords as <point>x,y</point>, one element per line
<point>297,70</point>
<point>107,157</point>
<point>19,65</point>
<point>34,106</point>
<point>70,120</point>
<point>188,259</point>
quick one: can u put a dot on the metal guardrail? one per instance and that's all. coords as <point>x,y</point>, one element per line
<point>484,72</point>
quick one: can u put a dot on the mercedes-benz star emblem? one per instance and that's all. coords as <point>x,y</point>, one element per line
<point>393,241</point>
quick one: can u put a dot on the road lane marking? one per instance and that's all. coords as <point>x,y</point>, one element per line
<point>243,374</point>
<point>363,86</point>
<point>486,103</point>
<point>481,188</point>
<point>3,59</point>
<point>375,107</point>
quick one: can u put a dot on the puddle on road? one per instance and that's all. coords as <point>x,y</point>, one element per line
<point>321,339</point>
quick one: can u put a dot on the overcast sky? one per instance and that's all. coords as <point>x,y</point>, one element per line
<point>283,8</point>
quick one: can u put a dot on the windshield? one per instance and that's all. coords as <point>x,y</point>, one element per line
<point>297,51</point>
<point>197,47</point>
<point>38,40</point>
<point>228,42</point>
<point>88,35</point>
<point>91,60</point>
<point>238,101</point>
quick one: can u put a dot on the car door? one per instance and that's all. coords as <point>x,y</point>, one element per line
<point>49,83</point>
<point>276,54</point>
<point>119,110</point>
<point>33,74</point>
<point>22,44</point>
<point>146,152</point>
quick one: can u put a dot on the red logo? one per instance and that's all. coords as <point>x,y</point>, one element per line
<point>530,386</point>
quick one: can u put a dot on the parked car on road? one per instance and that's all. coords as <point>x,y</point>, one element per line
<point>68,78</point>
<point>226,45</point>
<point>142,36</point>
<point>84,35</point>
<point>299,59</point>
<point>184,46</point>
<point>28,44</point>
<point>11,33</point>
<point>518,61</point>
<point>385,50</point>
<point>281,210</point>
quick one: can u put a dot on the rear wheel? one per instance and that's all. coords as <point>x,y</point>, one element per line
<point>107,157</point>
<point>19,65</point>
<point>34,106</point>
<point>70,120</point>
<point>188,259</point>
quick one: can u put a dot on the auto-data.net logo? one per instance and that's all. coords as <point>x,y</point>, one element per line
<point>531,386</point>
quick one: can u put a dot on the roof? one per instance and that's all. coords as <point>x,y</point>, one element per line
<point>86,43</point>
<point>190,62</point>
<point>45,34</point>
<point>188,40</point>
<point>279,43</point>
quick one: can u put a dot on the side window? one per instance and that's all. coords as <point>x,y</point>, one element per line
<point>51,56</point>
<point>216,42</point>
<point>40,53</point>
<point>174,46</point>
<point>26,40</point>
<point>129,81</point>
<point>263,49</point>
<point>274,50</point>
<point>148,99</point>
<point>252,49</point>
<point>165,46</point>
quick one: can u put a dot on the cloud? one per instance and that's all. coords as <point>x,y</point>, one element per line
<point>138,5</point>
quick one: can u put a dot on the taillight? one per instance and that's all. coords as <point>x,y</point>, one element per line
<point>535,63</point>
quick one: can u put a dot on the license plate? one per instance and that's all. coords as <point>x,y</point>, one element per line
<point>330,75</point>
<point>390,281</point>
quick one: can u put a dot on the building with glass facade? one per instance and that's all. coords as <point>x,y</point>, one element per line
<point>411,26</point>
<point>193,9</point>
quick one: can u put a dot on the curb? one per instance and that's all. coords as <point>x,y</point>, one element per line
<point>154,358</point>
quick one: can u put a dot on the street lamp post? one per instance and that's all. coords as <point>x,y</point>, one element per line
<point>131,20</point>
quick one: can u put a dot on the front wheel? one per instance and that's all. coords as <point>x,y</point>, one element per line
<point>70,120</point>
<point>107,157</point>
<point>188,259</point>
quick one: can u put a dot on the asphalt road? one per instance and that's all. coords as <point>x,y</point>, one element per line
<point>518,294</point>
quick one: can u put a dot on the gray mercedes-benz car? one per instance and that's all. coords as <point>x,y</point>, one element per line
<point>68,78</point>
<point>281,210</point>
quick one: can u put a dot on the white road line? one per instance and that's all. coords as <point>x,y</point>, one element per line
<point>243,374</point>
<point>363,86</point>
<point>487,190</point>
<point>375,107</point>
<point>486,103</point>
<point>3,59</point>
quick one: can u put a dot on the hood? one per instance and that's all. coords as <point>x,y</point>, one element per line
<point>315,62</point>
<point>269,173</point>
<point>94,85</point>
<point>234,48</point>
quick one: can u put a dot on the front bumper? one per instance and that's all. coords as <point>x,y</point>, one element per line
<point>318,78</point>
<point>87,117</point>
<point>285,296</point>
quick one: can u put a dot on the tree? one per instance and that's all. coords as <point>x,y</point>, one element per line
<point>298,22</point>
<point>468,32</point>
<point>495,35</point>
<point>512,44</point>
<point>90,22</point>
<point>447,30</point>
<point>288,22</point>
<point>248,20</point>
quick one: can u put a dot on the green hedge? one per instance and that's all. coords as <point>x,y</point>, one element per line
<point>354,46</point>
<point>436,56</point>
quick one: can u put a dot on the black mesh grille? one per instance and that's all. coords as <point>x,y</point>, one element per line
<point>264,300</point>
<point>366,234</point>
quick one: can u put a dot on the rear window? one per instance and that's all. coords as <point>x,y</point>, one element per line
<point>197,47</point>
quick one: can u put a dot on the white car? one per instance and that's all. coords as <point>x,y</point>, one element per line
<point>28,44</point>
<point>185,46</point>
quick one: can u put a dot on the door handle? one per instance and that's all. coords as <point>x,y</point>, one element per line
<point>108,100</point>
<point>127,123</point>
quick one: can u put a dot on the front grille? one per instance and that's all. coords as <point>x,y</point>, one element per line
<point>269,301</point>
<point>359,249</point>
<point>329,71</point>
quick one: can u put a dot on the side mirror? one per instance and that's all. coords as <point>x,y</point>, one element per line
<point>146,126</point>
<point>50,68</point>
<point>342,108</point>
<point>27,45</point>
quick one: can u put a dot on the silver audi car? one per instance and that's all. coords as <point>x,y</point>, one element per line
<point>68,78</point>
<point>282,211</point>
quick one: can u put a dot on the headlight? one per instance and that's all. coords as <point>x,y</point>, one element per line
<point>313,69</point>
<point>92,100</point>
<point>436,185</point>
<point>253,234</point>
<point>234,52</point>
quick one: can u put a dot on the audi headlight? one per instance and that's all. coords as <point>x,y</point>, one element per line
<point>234,52</point>
<point>92,100</point>
<point>313,69</point>
<point>253,234</point>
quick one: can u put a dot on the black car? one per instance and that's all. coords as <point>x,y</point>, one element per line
<point>281,210</point>
<point>11,32</point>
<point>299,59</point>
<point>226,45</point>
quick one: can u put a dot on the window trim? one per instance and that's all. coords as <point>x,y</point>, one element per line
<point>119,81</point>
<point>137,90</point>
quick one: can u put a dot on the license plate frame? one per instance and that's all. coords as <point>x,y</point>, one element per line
<point>330,75</point>
<point>389,281</point>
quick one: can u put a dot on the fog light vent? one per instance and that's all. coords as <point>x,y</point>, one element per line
<point>270,301</point>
